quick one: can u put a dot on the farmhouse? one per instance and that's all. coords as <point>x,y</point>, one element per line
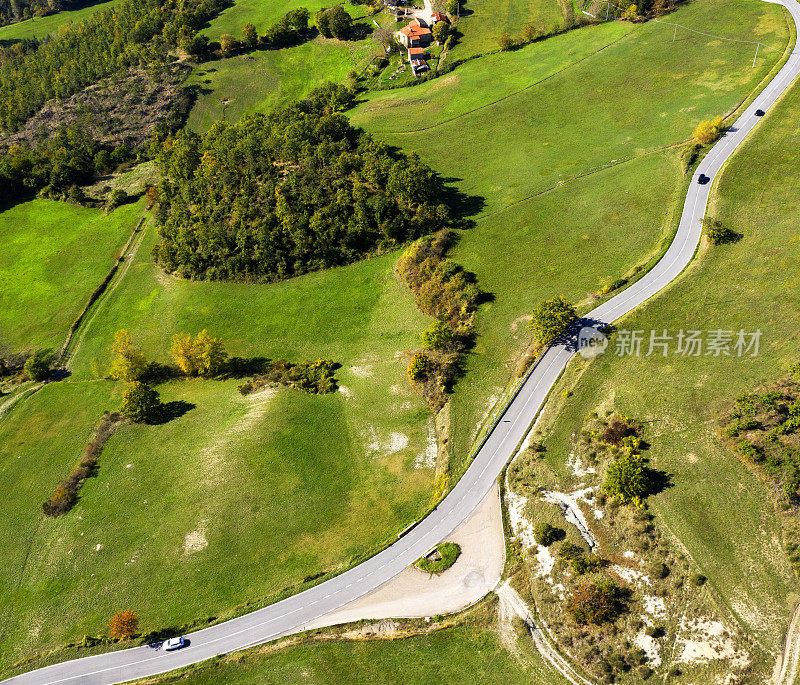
<point>415,35</point>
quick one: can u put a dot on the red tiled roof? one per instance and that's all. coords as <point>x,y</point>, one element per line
<point>438,16</point>
<point>416,51</point>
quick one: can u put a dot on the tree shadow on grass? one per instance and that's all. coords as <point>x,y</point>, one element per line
<point>171,411</point>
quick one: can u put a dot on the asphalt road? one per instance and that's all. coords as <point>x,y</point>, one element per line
<point>292,614</point>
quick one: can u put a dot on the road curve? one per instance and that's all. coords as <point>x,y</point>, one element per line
<point>292,614</point>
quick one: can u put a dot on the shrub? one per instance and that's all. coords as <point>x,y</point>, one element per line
<point>718,233</point>
<point>228,44</point>
<point>418,367</point>
<point>66,493</point>
<point>660,570</point>
<point>551,319</point>
<point>569,551</point>
<point>312,377</point>
<point>546,535</point>
<point>506,42</point>
<point>582,564</point>
<point>441,559</point>
<point>618,428</point>
<point>698,579</point>
<point>37,366</point>
<point>123,625</point>
<point>594,602</point>
<point>117,198</point>
<point>627,479</point>
<point>437,337</point>
<point>140,402</point>
<point>708,131</point>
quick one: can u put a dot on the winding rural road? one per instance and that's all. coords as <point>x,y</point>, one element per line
<point>293,614</point>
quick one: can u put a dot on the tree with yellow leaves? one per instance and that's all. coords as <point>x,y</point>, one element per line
<point>708,131</point>
<point>209,353</point>
<point>128,363</point>
<point>203,356</point>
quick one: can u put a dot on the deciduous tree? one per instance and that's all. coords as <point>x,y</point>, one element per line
<point>249,36</point>
<point>123,625</point>
<point>127,363</point>
<point>140,402</point>
<point>708,131</point>
<point>551,319</point>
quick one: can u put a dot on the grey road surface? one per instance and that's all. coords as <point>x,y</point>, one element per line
<point>292,614</point>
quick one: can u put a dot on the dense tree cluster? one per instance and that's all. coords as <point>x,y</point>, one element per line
<point>131,33</point>
<point>284,193</point>
<point>334,22</point>
<point>57,166</point>
<point>289,29</point>
<point>19,10</point>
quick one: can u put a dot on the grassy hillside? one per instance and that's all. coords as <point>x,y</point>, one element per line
<point>482,22</point>
<point>52,256</point>
<point>260,80</point>
<point>467,652</point>
<point>565,149</point>
<point>719,509</point>
<point>280,490</point>
<point>41,27</point>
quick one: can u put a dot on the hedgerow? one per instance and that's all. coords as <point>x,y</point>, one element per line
<point>66,493</point>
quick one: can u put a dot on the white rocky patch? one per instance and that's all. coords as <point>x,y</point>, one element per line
<point>362,371</point>
<point>346,392</point>
<point>575,464</point>
<point>628,554</point>
<point>650,647</point>
<point>427,458</point>
<point>704,640</point>
<point>195,540</point>
<point>630,575</point>
<point>655,606</point>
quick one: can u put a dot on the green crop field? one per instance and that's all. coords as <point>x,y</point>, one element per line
<point>565,140</point>
<point>718,508</point>
<point>41,27</point>
<point>52,256</point>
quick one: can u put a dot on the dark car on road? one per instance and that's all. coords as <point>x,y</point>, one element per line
<point>702,179</point>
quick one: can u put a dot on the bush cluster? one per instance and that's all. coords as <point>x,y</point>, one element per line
<point>315,377</point>
<point>66,493</point>
<point>595,602</point>
<point>293,191</point>
<point>441,559</point>
<point>445,291</point>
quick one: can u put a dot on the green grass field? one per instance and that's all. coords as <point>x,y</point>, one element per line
<point>469,651</point>
<point>283,491</point>
<point>584,116</point>
<point>484,21</point>
<point>41,27</point>
<point>260,80</point>
<point>52,256</point>
<point>719,509</point>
